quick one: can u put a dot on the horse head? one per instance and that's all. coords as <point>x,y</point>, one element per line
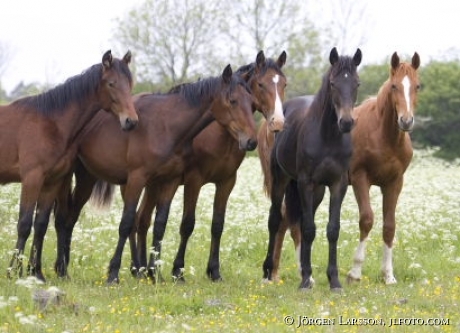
<point>268,82</point>
<point>115,89</point>
<point>405,85</point>
<point>344,83</point>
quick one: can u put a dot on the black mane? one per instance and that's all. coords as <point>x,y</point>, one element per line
<point>75,89</point>
<point>199,92</point>
<point>250,68</point>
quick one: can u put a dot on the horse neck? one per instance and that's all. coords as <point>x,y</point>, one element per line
<point>188,127</point>
<point>76,117</point>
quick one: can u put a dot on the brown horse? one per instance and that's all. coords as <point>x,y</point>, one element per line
<point>38,135</point>
<point>215,158</point>
<point>142,157</point>
<point>382,151</point>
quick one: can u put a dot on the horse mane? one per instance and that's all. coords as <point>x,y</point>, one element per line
<point>250,68</point>
<point>321,102</point>
<point>75,89</point>
<point>196,93</point>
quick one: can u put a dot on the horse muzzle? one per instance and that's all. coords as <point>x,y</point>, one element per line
<point>248,144</point>
<point>128,124</point>
<point>346,124</point>
<point>406,124</point>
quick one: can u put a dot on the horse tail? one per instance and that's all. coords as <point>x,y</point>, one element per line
<point>265,140</point>
<point>292,203</point>
<point>102,194</point>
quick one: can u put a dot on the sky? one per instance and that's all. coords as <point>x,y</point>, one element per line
<point>51,40</point>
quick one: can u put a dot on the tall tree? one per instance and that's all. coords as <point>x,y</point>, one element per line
<point>171,39</point>
<point>274,26</point>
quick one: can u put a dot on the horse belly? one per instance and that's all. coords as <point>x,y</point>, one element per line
<point>329,171</point>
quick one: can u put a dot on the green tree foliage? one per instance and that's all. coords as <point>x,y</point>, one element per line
<point>439,106</point>
<point>172,40</point>
<point>372,78</point>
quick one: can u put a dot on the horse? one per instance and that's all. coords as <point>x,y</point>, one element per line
<point>312,152</point>
<point>215,158</point>
<point>382,151</point>
<point>168,123</point>
<point>38,135</point>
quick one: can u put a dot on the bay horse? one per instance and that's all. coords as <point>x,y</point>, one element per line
<point>382,151</point>
<point>38,135</point>
<point>215,158</point>
<point>168,123</point>
<point>312,152</point>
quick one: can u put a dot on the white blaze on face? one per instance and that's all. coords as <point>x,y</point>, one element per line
<point>406,85</point>
<point>278,112</point>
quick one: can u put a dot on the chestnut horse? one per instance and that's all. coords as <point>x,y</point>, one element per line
<point>37,141</point>
<point>142,157</point>
<point>382,151</point>
<point>312,152</point>
<point>215,158</point>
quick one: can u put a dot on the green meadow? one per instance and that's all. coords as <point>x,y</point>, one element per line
<point>426,261</point>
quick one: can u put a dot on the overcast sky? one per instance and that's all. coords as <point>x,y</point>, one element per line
<point>51,40</point>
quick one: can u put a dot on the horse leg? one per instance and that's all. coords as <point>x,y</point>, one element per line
<point>61,213</point>
<point>278,247</point>
<point>30,189</point>
<point>278,187</point>
<point>338,191</point>
<point>44,205</point>
<point>192,188</point>
<point>305,192</point>
<point>159,227</point>
<point>223,190</point>
<point>68,208</point>
<point>131,195</point>
<point>390,194</point>
<point>138,236</point>
<point>361,188</point>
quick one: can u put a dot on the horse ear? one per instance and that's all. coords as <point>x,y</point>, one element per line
<point>260,60</point>
<point>333,56</point>
<point>107,59</point>
<point>281,59</point>
<point>127,57</point>
<point>227,74</point>
<point>416,60</point>
<point>394,61</point>
<point>357,57</point>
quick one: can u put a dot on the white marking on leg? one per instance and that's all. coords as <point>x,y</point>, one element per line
<point>299,264</point>
<point>387,265</point>
<point>360,254</point>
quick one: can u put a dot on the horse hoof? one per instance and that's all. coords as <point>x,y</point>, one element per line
<point>351,279</point>
<point>337,290</point>
<point>179,280</point>
<point>390,280</point>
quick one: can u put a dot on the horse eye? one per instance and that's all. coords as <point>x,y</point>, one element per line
<point>417,87</point>
<point>111,84</point>
<point>393,87</point>
<point>261,86</point>
<point>233,102</point>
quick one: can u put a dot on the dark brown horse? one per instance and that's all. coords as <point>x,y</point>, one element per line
<point>312,152</point>
<point>38,136</point>
<point>382,151</point>
<point>168,123</point>
<point>215,158</point>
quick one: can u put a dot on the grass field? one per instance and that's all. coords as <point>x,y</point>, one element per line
<point>426,261</point>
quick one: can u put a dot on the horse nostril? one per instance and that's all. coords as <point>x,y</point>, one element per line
<point>346,125</point>
<point>251,144</point>
<point>129,124</point>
